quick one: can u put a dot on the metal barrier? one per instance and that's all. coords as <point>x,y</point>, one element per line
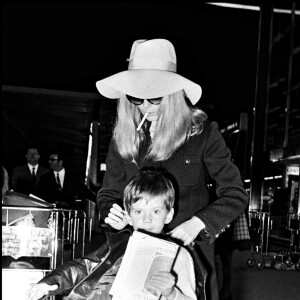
<point>91,214</point>
<point>62,230</point>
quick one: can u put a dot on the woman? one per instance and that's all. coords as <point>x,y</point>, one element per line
<point>158,126</point>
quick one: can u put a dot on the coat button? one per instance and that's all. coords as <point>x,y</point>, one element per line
<point>108,262</point>
<point>187,161</point>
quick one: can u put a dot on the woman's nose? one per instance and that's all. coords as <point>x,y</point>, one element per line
<point>146,104</point>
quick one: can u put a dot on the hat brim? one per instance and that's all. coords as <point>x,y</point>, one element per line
<point>147,84</point>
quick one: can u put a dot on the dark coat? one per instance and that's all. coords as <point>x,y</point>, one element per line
<point>77,275</point>
<point>203,159</point>
<point>73,188</point>
<point>21,179</point>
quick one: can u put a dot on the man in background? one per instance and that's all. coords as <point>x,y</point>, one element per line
<point>62,186</point>
<point>25,179</point>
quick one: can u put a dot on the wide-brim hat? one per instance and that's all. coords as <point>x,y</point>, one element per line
<point>151,73</point>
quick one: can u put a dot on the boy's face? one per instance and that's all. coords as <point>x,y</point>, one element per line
<point>150,215</point>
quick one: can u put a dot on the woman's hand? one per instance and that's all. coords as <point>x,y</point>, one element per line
<point>38,290</point>
<point>163,283</point>
<point>188,230</point>
<point>116,217</point>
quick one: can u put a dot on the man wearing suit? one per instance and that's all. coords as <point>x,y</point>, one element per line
<point>25,179</point>
<point>61,186</point>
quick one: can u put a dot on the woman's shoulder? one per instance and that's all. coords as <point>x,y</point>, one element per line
<point>210,125</point>
<point>209,128</point>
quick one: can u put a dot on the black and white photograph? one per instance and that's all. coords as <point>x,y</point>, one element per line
<point>178,120</point>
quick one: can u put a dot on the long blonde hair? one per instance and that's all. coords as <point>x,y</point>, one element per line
<point>177,122</point>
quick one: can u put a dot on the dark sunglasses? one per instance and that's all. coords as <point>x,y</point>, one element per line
<point>138,101</point>
<point>53,159</point>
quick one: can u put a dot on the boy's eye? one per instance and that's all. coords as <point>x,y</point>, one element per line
<point>137,212</point>
<point>157,211</point>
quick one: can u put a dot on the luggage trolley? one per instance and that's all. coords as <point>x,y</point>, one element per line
<point>294,251</point>
<point>22,238</point>
<point>260,227</point>
<point>260,224</point>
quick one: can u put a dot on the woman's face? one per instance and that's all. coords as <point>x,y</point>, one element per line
<point>151,109</point>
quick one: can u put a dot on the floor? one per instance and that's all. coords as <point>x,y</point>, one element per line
<point>250,283</point>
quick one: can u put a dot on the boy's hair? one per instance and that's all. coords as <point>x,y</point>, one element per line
<point>149,183</point>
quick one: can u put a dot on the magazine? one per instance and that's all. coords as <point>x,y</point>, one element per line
<point>144,256</point>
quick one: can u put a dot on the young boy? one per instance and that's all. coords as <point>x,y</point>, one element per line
<point>148,201</point>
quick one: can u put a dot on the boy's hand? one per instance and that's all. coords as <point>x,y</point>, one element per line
<point>38,290</point>
<point>116,218</point>
<point>163,283</point>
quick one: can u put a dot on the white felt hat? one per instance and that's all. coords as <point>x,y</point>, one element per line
<point>151,73</point>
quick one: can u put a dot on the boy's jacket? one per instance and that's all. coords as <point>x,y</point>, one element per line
<point>77,278</point>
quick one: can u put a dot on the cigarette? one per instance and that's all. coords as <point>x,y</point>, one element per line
<point>143,120</point>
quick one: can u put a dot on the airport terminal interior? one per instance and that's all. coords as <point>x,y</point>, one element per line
<point>245,55</point>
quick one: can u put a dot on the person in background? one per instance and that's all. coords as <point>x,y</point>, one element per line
<point>23,218</point>
<point>148,200</point>
<point>25,179</point>
<point>62,186</point>
<point>159,126</point>
<point>5,182</point>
